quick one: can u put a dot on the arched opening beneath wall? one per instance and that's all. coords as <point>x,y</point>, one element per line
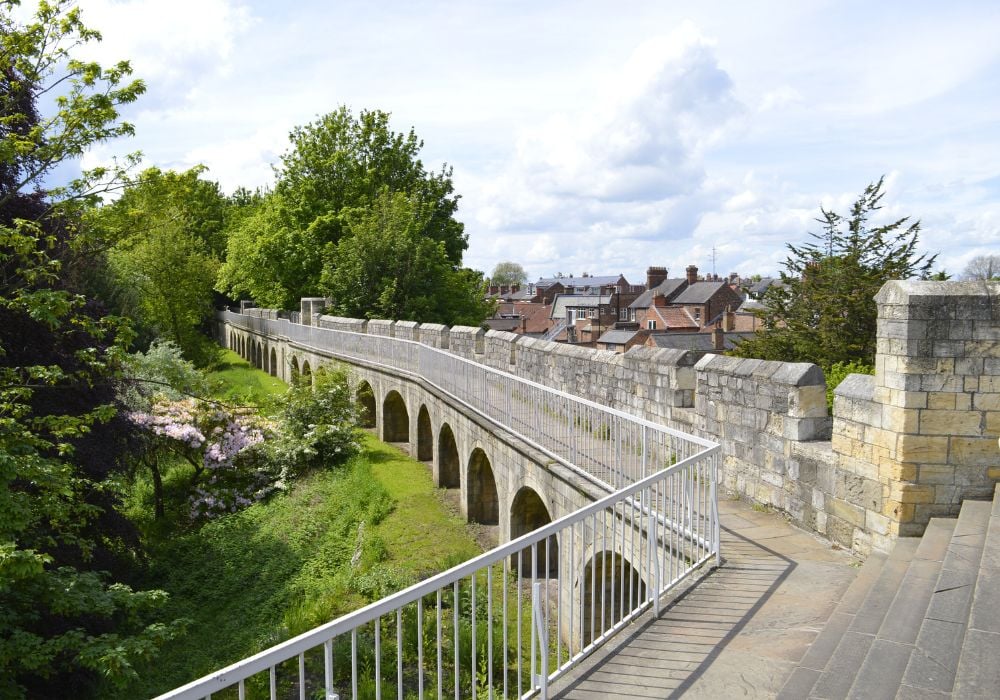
<point>395,419</point>
<point>527,514</point>
<point>483,504</point>
<point>365,399</point>
<point>306,371</point>
<point>295,369</point>
<point>241,348</point>
<point>260,356</point>
<point>611,589</point>
<point>273,365</point>
<point>449,469</point>
<point>425,435</point>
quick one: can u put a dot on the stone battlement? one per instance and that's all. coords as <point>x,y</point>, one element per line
<point>903,446</point>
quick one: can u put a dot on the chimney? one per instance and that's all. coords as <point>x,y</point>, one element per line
<point>692,274</point>
<point>655,277</point>
<point>730,318</point>
<point>718,339</point>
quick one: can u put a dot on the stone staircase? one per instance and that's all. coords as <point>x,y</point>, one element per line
<point>922,622</point>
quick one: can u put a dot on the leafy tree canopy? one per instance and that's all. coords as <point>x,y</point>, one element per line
<point>336,165</point>
<point>167,231</point>
<point>824,310</point>
<point>63,618</point>
<point>508,274</point>
<point>386,267</point>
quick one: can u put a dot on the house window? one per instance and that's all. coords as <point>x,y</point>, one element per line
<point>697,315</point>
<point>631,315</point>
<point>593,313</point>
<point>651,325</point>
<point>623,314</point>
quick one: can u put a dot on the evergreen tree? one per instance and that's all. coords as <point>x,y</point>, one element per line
<point>824,309</point>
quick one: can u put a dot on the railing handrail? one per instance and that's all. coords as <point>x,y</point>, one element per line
<point>537,385</point>
<point>625,496</point>
<point>312,638</point>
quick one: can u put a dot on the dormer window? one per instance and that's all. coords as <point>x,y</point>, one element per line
<point>651,325</point>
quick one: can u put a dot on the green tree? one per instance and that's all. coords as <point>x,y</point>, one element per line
<point>386,267</point>
<point>825,311</point>
<point>336,165</point>
<point>167,234</point>
<point>508,274</point>
<point>64,620</point>
<point>169,275</point>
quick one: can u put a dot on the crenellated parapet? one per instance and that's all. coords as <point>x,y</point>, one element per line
<point>902,446</point>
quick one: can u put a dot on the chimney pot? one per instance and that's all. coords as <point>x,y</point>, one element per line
<point>692,274</point>
<point>655,277</point>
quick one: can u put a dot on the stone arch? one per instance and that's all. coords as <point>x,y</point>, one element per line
<point>481,487</point>
<point>611,587</point>
<point>306,371</point>
<point>365,399</point>
<point>395,418</point>
<point>449,469</point>
<point>425,435</point>
<point>295,368</point>
<point>242,347</point>
<point>527,514</point>
<point>273,369</point>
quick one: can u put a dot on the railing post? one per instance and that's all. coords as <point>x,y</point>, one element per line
<point>542,634</point>
<point>716,525</point>
<point>651,534</point>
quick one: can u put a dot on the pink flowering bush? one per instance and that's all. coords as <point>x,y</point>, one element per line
<point>223,446</point>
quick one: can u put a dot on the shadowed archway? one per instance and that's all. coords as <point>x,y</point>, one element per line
<point>483,504</point>
<point>425,435</point>
<point>273,368</point>
<point>449,470</point>
<point>395,418</point>
<point>365,398</point>
<point>527,514</point>
<point>611,589</point>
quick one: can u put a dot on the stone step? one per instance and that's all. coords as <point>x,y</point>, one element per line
<point>978,673</point>
<point>842,669</point>
<point>803,678</point>
<point>934,660</point>
<point>882,669</point>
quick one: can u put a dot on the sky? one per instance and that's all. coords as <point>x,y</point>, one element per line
<point>599,137</point>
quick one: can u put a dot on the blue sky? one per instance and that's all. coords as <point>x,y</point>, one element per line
<point>595,136</point>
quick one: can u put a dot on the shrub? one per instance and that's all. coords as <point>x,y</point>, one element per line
<point>838,372</point>
<point>317,424</point>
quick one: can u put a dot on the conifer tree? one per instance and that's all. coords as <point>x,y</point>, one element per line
<point>824,309</point>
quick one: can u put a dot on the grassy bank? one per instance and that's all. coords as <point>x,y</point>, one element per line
<point>233,379</point>
<point>337,540</point>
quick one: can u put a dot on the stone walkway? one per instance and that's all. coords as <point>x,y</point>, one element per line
<point>738,632</point>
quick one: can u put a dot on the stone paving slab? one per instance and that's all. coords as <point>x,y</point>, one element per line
<point>738,632</point>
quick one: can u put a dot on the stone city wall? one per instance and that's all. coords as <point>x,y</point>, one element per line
<point>907,444</point>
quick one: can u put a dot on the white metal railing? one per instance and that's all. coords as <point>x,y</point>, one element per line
<point>508,622</point>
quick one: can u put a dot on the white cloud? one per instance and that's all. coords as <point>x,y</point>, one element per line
<point>167,40</point>
<point>627,168</point>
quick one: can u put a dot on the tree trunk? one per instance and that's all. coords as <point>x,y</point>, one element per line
<point>154,466</point>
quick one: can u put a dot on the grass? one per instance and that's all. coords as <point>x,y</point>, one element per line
<point>419,529</point>
<point>337,540</point>
<point>233,379</point>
